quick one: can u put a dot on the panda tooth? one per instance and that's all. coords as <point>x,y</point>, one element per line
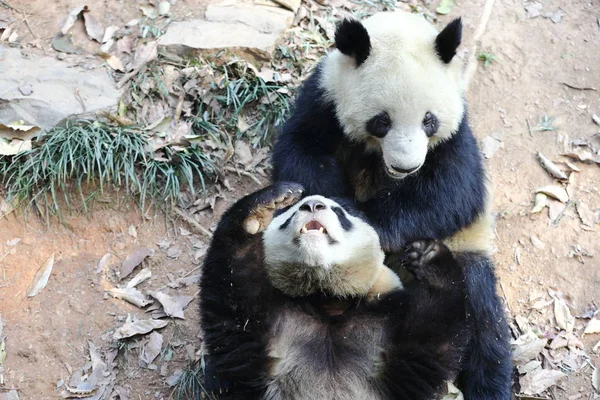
<point>321,229</point>
<point>304,230</point>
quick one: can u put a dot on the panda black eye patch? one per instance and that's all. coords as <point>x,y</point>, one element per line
<point>344,221</point>
<point>430,124</point>
<point>286,223</point>
<point>379,125</point>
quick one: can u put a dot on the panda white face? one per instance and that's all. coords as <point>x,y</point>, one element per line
<point>317,245</point>
<point>396,86</point>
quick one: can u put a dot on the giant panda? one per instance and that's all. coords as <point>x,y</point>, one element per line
<point>300,306</point>
<point>382,121</point>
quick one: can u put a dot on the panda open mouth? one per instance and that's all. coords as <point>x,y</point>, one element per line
<point>313,226</point>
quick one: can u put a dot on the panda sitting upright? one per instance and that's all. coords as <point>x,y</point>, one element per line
<point>382,122</point>
<point>301,307</point>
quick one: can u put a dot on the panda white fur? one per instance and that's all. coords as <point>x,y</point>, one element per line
<point>300,306</point>
<point>382,121</point>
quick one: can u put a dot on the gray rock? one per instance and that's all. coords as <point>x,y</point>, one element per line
<point>58,90</point>
<point>248,29</point>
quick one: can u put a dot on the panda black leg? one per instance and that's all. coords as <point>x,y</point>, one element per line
<point>486,374</point>
<point>432,263</point>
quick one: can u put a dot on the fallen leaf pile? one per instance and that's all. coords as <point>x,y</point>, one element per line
<point>546,352</point>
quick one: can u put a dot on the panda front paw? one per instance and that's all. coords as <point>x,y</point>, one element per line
<point>432,263</point>
<point>267,201</point>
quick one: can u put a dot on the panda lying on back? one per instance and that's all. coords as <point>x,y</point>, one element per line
<point>301,307</point>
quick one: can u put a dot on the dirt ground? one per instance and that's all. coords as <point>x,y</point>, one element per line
<point>534,59</point>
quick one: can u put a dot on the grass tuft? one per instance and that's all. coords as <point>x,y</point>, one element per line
<point>545,124</point>
<point>80,160</point>
<point>262,105</point>
<point>191,384</point>
<point>486,57</point>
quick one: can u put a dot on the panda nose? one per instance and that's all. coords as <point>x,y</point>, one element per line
<point>404,171</point>
<point>313,206</point>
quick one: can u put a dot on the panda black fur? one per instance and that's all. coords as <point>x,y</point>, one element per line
<point>382,121</point>
<point>301,306</point>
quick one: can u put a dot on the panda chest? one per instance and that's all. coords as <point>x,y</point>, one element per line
<point>363,170</point>
<point>319,359</point>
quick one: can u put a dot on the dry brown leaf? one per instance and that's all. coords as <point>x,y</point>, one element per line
<point>242,125</point>
<point>109,33</point>
<point>541,201</point>
<point>551,167</point>
<point>183,300</point>
<point>555,192</point>
<point>174,252</point>
<point>133,260</point>
<point>593,326</point>
<point>131,295</point>
<point>141,327</point>
<point>93,28</point>
<point>573,167</point>
<point>523,353</point>
<point>562,314</point>
<point>115,63</point>
<point>537,243</point>
<point>103,261</point>
<point>530,366</point>
<point>243,154</point>
<point>555,208</point>
<point>182,282</point>
<point>170,305</point>
<point>537,381</point>
<point>125,45</point>
<point>141,276</point>
<point>149,11</point>
<point>40,280</point>
<point>71,18</point>
<point>584,156</point>
<point>152,348</point>
<point>144,54</point>
<point>14,147</point>
<point>586,215</point>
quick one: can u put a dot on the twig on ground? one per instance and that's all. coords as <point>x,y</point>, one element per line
<point>578,87</point>
<point>529,127</point>
<point>471,67</point>
<point>195,224</point>
<point>242,172</point>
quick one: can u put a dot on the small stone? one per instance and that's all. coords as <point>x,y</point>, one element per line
<point>61,56</point>
<point>25,89</point>
<point>533,10</point>
<point>164,7</point>
<point>537,243</point>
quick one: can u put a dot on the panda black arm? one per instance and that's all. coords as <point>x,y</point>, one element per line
<point>428,324</point>
<point>303,151</point>
<point>235,292</point>
<point>447,194</point>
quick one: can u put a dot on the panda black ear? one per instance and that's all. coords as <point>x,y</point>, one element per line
<point>352,39</point>
<point>448,40</point>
